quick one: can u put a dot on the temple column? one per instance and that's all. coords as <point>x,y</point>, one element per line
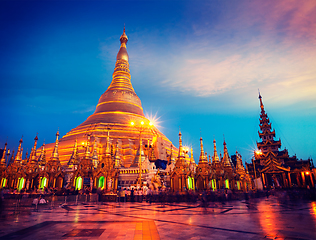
<point>312,180</point>
<point>284,180</point>
<point>96,182</point>
<point>298,180</point>
<point>39,183</point>
<point>263,180</point>
<point>27,184</point>
<point>303,179</point>
<point>289,177</point>
<point>171,184</point>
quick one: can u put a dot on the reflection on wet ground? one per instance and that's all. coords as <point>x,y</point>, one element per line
<point>265,218</point>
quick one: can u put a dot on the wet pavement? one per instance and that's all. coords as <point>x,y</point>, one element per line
<point>265,218</point>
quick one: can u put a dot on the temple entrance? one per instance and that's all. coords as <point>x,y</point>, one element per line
<point>190,183</point>
<point>21,184</point>
<point>274,180</point>
<point>101,182</point>
<point>3,182</point>
<point>226,184</point>
<point>213,184</point>
<point>59,182</point>
<point>78,183</point>
<point>43,183</point>
<point>200,183</point>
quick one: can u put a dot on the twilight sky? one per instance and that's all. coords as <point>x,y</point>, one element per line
<point>196,65</point>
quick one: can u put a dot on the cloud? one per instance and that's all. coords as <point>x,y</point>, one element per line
<point>268,45</point>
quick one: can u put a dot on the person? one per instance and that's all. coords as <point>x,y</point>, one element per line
<point>132,195</point>
<point>122,195</point>
<point>42,200</point>
<point>140,195</point>
<point>35,201</point>
<point>136,195</point>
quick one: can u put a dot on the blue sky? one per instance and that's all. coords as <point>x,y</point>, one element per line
<point>195,64</point>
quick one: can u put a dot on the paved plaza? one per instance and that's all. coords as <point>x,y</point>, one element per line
<point>262,218</point>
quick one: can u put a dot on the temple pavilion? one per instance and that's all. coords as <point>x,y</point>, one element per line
<point>272,167</point>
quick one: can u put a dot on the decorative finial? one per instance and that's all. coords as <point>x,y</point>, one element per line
<point>123,38</point>
<point>261,104</point>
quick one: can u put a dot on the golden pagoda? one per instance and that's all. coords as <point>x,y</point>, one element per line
<point>118,106</point>
<point>203,170</point>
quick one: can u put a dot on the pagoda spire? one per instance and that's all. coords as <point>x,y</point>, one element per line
<point>191,157</point>
<point>267,135</point>
<point>55,154</point>
<point>3,162</point>
<point>18,157</point>
<point>180,144</point>
<point>261,104</point>
<point>202,154</point>
<point>74,159</point>
<point>33,158</point>
<point>11,158</point>
<point>226,159</point>
<point>42,157</point>
<point>87,151</point>
<point>239,164</point>
<point>215,158</point>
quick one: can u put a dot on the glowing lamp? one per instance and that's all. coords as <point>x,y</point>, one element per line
<point>142,122</point>
<point>132,123</point>
<point>258,152</point>
<point>307,173</point>
<point>150,123</point>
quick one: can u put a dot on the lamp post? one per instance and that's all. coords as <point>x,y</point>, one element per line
<point>142,126</point>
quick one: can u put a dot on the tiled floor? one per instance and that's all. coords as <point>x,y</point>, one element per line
<point>254,219</point>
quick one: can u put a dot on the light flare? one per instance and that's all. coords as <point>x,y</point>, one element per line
<point>153,120</point>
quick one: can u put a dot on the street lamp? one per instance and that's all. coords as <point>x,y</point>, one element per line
<point>142,126</point>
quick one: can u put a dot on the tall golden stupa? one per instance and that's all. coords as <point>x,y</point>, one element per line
<point>117,108</point>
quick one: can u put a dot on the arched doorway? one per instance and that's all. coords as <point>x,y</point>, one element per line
<point>21,184</point>
<point>200,183</point>
<point>43,183</point>
<point>79,183</point>
<point>3,182</point>
<point>101,182</point>
<point>59,182</point>
<point>190,183</point>
<point>226,183</point>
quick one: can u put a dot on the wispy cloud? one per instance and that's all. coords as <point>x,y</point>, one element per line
<point>268,45</point>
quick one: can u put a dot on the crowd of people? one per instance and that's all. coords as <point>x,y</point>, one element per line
<point>141,194</point>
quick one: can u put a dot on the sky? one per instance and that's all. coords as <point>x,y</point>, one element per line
<point>195,65</point>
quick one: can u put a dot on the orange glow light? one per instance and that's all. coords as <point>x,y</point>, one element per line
<point>142,123</point>
<point>307,173</point>
<point>132,123</point>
